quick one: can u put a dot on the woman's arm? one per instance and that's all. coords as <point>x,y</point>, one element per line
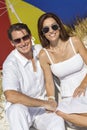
<point>81,49</point>
<point>20,98</point>
<point>45,64</point>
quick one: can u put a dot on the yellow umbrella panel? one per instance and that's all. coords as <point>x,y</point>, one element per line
<point>20,11</point>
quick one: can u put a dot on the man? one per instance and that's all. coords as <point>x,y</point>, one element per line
<point>23,85</point>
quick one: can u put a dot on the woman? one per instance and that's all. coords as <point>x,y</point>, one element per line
<point>65,57</point>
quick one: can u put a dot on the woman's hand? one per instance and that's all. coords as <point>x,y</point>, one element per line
<point>79,91</point>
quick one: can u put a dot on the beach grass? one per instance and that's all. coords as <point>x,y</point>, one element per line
<point>80,29</point>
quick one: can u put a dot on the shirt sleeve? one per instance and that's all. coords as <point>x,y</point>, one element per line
<point>38,47</point>
<point>10,77</point>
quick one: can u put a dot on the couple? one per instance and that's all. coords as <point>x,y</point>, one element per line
<point>30,92</point>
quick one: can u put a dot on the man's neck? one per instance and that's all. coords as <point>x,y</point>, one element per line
<point>29,56</point>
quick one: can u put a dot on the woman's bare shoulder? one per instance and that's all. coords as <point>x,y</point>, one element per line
<point>43,57</point>
<point>78,43</point>
<point>76,40</point>
<point>42,53</point>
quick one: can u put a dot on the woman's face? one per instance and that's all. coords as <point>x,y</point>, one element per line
<point>51,29</point>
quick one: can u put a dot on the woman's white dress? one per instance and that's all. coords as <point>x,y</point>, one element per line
<point>71,72</point>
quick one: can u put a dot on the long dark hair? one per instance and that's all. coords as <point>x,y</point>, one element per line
<point>63,33</point>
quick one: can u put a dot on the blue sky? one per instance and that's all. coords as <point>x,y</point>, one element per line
<point>67,10</point>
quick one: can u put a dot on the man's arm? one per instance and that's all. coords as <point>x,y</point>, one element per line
<point>17,97</point>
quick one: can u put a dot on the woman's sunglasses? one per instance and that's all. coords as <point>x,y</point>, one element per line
<point>54,27</point>
<point>18,40</point>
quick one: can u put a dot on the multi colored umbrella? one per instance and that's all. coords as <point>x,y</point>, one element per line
<point>28,11</point>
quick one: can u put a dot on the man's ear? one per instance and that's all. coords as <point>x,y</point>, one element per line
<point>12,43</point>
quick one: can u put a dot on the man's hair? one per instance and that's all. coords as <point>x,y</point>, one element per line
<point>17,27</point>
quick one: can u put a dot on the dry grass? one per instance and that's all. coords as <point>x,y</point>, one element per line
<point>80,29</point>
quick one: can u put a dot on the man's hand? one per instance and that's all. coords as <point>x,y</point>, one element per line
<point>51,105</point>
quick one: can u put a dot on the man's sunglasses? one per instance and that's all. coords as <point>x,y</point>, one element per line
<point>54,27</point>
<point>18,40</point>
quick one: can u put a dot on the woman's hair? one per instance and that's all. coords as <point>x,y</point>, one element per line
<point>17,27</point>
<point>63,33</point>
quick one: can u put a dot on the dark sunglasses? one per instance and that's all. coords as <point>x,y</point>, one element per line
<point>18,40</point>
<point>54,27</point>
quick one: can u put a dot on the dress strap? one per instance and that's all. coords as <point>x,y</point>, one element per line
<point>72,45</point>
<point>48,55</point>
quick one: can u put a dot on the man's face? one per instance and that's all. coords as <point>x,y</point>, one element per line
<point>21,41</point>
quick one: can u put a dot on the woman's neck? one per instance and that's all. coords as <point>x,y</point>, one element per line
<point>54,44</point>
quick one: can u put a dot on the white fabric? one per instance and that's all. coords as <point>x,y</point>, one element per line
<point>18,75</point>
<point>73,105</point>
<point>71,72</point>
<point>22,118</point>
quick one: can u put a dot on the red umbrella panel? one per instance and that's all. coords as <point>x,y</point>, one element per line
<point>5,47</point>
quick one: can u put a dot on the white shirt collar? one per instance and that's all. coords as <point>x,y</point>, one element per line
<point>22,59</point>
